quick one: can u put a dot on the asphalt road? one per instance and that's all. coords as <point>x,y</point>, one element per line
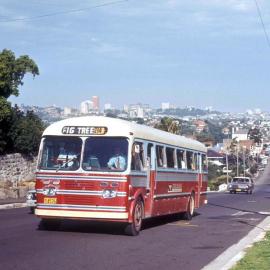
<point>164,243</point>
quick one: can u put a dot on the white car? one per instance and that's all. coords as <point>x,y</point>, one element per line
<point>241,184</point>
<point>31,200</point>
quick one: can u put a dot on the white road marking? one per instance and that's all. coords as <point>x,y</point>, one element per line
<point>241,213</point>
<point>265,213</point>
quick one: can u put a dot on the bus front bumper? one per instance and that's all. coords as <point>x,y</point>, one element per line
<point>82,214</point>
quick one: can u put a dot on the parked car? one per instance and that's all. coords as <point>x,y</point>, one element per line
<point>31,200</point>
<point>241,184</point>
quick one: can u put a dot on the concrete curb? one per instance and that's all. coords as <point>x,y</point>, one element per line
<point>12,205</point>
<point>233,254</point>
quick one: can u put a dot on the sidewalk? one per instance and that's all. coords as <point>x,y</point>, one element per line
<point>12,203</point>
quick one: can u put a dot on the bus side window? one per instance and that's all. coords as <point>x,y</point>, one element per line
<point>137,161</point>
<point>170,157</point>
<point>195,162</point>
<point>149,147</point>
<point>189,160</point>
<point>160,156</point>
<point>181,159</point>
<point>204,162</point>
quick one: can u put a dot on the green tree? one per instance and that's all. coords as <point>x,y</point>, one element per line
<point>255,135</point>
<point>170,125</point>
<point>26,132</point>
<point>215,131</point>
<point>17,131</point>
<point>5,123</point>
<point>204,137</point>
<point>12,71</point>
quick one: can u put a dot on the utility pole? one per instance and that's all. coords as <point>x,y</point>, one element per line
<point>227,168</point>
<point>244,160</point>
<point>237,159</point>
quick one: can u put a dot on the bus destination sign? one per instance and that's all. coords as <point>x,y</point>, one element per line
<point>84,130</point>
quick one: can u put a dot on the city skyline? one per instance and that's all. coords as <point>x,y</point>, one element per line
<point>199,53</point>
<point>87,107</point>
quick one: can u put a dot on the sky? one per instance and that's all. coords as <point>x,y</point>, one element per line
<point>190,53</point>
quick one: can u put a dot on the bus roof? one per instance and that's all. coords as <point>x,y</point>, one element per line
<point>123,128</point>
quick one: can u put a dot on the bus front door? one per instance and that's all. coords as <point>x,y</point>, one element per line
<point>151,178</point>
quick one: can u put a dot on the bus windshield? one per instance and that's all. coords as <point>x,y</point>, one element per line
<point>105,154</point>
<point>61,153</point>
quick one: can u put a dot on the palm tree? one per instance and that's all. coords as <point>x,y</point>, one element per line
<point>170,125</point>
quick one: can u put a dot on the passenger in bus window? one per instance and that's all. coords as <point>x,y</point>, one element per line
<point>159,150</point>
<point>204,163</point>
<point>117,161</point>
<point>136,161</point>
<point>194,162</point>
<point>183,164</point>
<point>189,160</point>
<point>91,162</point>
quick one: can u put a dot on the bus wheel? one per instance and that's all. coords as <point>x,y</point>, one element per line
<point>190,209</point>
<point>134,228</point>
<point>49,224</point>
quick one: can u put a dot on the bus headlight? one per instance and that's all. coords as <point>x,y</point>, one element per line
<point>29,196</point>
<point>108,193</point>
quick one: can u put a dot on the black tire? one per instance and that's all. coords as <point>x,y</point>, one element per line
<point>49,224</point>
<point>231,192</point>
<point>134,228</point>
<point>32,210</point>
<point>190,209</point>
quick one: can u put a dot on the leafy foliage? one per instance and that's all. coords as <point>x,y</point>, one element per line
<point>25,132</point>
<point>255,135</point>
<point>180,112</point>
<point>215,131</point>
<point>12,72</point>
<point>170,125</point>
<point>5,123</point>
<point>18,132</point>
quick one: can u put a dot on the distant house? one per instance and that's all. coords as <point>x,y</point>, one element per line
<point>200,125</point>
<point>247,144</point>
<point>240,134</point>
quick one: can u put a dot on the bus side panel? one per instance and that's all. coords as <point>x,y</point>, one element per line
<point>198,190</point>
<point>140,187</point>
<point>172,192</point>
<point>203,197</point>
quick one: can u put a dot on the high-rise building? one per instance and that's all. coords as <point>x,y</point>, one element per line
<point>107,106</point>
<point>95,100</point>
<point>86,106</point>
<point>165,106</point>
<point>126,108</point>
<point>67,110</point>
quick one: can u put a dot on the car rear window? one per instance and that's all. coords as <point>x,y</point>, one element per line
<point>241,180</point>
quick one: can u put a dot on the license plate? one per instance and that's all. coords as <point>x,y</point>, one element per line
<point>238,189</point>
<point>50,200</point>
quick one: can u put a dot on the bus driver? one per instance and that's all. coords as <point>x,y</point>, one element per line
<point>117,161</point>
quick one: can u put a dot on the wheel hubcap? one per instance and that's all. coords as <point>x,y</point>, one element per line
<point>138,217</point>
<point>191,205</point>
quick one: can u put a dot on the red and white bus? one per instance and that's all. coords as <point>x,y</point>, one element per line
<point>100,168</point>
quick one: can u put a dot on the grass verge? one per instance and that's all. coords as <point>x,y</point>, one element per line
<point>257,257</point>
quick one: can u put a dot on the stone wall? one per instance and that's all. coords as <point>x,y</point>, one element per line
<point>16,175</point>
